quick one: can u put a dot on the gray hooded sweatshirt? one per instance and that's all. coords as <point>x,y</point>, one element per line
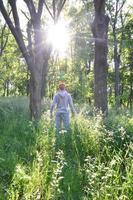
<point>62,99</point>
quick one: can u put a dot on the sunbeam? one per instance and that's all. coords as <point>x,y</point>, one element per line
<point>58,36</point>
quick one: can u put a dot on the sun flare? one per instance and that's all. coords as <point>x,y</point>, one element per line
<point>58,36</point>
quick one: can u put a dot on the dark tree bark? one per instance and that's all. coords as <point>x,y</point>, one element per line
<point>100,33</point>
<point>117,70</point>
<point>36,53</point>
<point>130,98</point>
<point>117,6</point>
<point>117,52</point>
<point>3,42</point>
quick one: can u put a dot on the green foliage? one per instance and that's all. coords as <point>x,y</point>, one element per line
<point>76,68</point>
<point>13,71</point>
<point>94,161</point>
<point>79,82</point>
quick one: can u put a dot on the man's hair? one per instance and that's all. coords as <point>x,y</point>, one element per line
<point>61,83</point>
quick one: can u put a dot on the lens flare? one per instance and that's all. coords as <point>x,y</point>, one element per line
<point>58,36</point>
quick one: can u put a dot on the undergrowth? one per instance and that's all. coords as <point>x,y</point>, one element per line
<point>93,162</point>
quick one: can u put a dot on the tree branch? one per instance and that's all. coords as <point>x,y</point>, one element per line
<point>110,13</point>
<point>124,1</point>
<point>29,26</point>
<point>25,15</point>
<point>60,9</point>
<point>99,6</point>
<point>15,16</point>
<point>15,33</point>
<point>48,9</point>
<point>31,9</point>
<point>54,9</point>
<point>116,14</point>
<point>122,33</point>
<point>3,44</point>
<point>40,8</point>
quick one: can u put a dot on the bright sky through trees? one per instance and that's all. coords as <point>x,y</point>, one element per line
<point>58,36</point>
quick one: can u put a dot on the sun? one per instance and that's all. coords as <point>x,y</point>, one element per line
<point>58,36</point>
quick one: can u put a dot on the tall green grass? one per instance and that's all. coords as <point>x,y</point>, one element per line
<point>94,161</point>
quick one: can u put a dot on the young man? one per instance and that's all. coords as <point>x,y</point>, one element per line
<point>62,99</point>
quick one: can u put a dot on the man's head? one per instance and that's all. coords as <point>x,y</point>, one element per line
<point>61,85</point>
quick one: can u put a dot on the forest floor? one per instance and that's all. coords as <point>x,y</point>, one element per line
<point>94,161</point>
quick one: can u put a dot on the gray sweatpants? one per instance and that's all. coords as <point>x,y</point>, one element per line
<point>62,118</point>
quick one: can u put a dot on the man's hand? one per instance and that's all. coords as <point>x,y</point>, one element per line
<point>51,116</point>
<point>74,114</point>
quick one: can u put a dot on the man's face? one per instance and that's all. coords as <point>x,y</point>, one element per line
<point>62,87</point>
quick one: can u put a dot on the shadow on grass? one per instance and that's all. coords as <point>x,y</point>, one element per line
<point>72,183</point>
<point>17,140</point>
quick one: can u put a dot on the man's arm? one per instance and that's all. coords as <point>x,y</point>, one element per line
<point>71,104</point>
<point>54,102</point>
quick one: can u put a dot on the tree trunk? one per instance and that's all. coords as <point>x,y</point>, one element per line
<point>4,89</point>
<point>38,70</point>
<point>7,88</point>
<point>130,99</point>
<point>45,70</point>
<point>117,70</point>
<point>131,96</point>
<point>38,84</point>
<point>35,97</point>
<point>36,54</point>
<point>100,30</point>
